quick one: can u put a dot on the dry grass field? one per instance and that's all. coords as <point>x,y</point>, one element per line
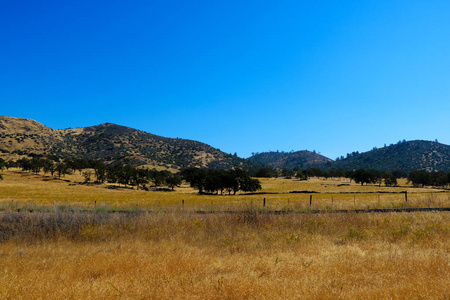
<point>175,253</point>
<point>26,190</point>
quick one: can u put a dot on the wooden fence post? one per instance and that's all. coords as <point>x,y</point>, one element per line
<point>264,202</point>
<point>406,196</point>
<point>310,201</point>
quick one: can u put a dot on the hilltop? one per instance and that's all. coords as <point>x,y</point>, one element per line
<point>406,156</point>
<point>109,142</point>
<point>302,159</point>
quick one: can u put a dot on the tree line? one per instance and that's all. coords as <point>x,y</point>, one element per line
<point>418,178</point>
<point>96,171</point>
<point>421,178</point>
<point>210,181</point>
<point>362,176</point>
<point>213,181</point>
<point>127,175</point>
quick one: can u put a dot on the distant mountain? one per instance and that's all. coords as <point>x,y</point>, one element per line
<point>302,159</point>
<point>406,156</point>
<point>109,142</point>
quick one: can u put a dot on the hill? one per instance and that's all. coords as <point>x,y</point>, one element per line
<point>302,159</point>
<point>109,142</point>
<point>406,156</point>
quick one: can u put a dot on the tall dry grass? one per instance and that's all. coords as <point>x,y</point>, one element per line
<point>60,250</point>
<point>248,255</point>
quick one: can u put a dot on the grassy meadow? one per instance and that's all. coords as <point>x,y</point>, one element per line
<point>22,189</point>
<point>175,253</point>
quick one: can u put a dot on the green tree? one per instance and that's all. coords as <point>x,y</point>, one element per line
<point>419,178</point>
<point>301,175</point>
<point>389,179</point>
<point>439,178</point>
<point>399,174</point>
<point>197,179</point>
<point>365,176</point>
<point>61,169</point>
<point>173,181</point>
<point>339,173</point>
<point>287,173</point>
<point>112,173</point>
<point>24,163</point>
<point>315,172</point>
<point>266,172</point>
<point>127,175</point>
<point>139,178</point>
<point>250,185</point>
<point>99,170</point>
<point>87,176</point>
<point>48,166</point>
<point>2,166</point>
<point>242,181</point>
<point>157,177</point>
<point>213,181</point>
<point>10,164</point>
<point>36,165</point>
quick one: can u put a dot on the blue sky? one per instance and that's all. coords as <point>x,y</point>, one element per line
<point>242,76</point>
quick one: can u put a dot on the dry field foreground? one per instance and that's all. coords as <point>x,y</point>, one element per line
<point>56,253</point>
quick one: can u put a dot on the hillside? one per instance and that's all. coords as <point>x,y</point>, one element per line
<point>110,142</point>
<point>406,156</point>
<point>301,159</point>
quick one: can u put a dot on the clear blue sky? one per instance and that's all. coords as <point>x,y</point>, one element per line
<point>242,76</point>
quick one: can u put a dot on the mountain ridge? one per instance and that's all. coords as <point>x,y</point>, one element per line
<point>406,156</point>
<point>109,142</point>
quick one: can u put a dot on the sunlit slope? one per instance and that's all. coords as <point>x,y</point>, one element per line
<point>109,142</point>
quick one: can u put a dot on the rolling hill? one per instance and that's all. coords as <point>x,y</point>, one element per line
<point>302,159</point>
<point>109,142</point>
<point>406,156</point>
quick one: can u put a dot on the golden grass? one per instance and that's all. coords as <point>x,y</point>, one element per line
<point>58,254</point>
<point>186,256</point>
<point>25,189</point>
